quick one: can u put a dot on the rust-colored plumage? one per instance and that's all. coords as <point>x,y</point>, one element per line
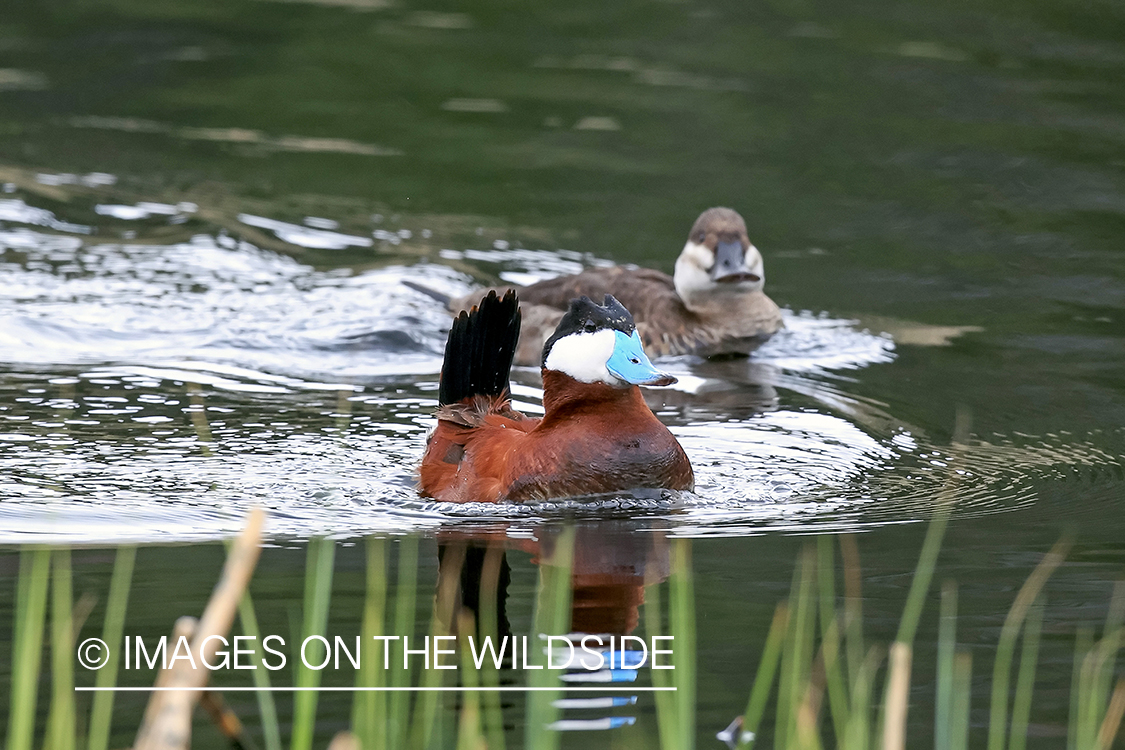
<point>594,437</point>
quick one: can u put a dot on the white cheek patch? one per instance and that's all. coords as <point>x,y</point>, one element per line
<point>582,356</point>
<point>754,263</point>
<point>693,274</point>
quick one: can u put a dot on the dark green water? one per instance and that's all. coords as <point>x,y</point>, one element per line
<point>909,171</point>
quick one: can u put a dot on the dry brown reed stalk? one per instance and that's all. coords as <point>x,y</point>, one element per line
<point>1112,716</point>
<point>167,722</point>
<point>898,697</point>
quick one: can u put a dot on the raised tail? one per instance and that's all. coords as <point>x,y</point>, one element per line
<point>480,349</point>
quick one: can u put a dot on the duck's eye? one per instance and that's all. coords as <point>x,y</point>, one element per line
<point>635,361</point>
<point>699,237</point>
<point>589,326</point>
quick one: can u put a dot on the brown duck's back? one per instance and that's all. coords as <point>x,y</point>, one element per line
<point>666,326</point>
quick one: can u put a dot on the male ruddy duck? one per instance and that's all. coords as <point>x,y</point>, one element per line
<point>714,305</point>
<point>597,433</point>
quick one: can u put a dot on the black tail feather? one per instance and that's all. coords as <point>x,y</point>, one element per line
<point>480,349</point>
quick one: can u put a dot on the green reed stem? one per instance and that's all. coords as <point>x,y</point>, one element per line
<point>859,720</point>
<point>552,617</point>
<point>490,628</point>
<point>947,644</point>
<point>1088,719</point>
<point>763,679</point>
<point>31,612</point>
<point>318,594</point>
<point>789,666</point>
<point>469,730</point>
<point>853,605</point>
<point>959,707</point>
<point>1025,679</point>
<point>681,612</point>
<point>61,717</point>
<point>998,714</point>
<point>836,685</point>
<point>441,624</point>
<point>826,579</point>
<point>1114,714</point>
<point>1108,649</point>
<point>406,594</point>
<point>267,709</point>
<point>666,718</point>
<point>369,708</point>
<point>796,670</point>
<point>1083,643</point>
<point>101,714</point>
<point>923,574</point>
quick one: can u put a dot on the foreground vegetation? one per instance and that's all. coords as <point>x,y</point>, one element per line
<point>819,683</point>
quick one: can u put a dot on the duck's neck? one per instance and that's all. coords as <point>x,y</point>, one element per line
<point>563,396</point>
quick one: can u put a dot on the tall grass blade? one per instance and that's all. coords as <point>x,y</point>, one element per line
<point>947,643</point>
<point>666,717</point>
<point>31,612</point>
<point>763,680</point>
<point>113,628</point>
<point>923,574</point>
<point>826,580</point>
<point>490,627</point>
<point>406,597</point>
<point>859,720</point>
<point>962,694</point>
<point>552,617</point>
<point>1083,643</point>
<point>1025,680</point>
<point>441,624</point>
<point>924,570</point>
<point>1001,672</point>
<point>807,728</point>
<point>1107,651</point>
<point>681,612</point>
<point>789,680</point>
<point>267,709</point>
<point>1088,715</point>
<point>1113,715</point>
<point>838,702</point>
<point>469,728</point>
<point>318,594</point>
<point>369,708</point>
<point>61,717</point>
<point>853,605</point>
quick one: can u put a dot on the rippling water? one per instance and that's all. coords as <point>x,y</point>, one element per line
<point>207,211</point>
<point>156,391</point>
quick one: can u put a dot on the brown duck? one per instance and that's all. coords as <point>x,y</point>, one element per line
<point>713,305</point>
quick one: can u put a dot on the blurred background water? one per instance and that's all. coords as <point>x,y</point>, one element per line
<point>208,210</point>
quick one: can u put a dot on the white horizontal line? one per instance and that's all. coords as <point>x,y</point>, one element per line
<point>502,689</point>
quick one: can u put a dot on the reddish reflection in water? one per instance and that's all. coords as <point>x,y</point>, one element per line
<point>613,561</point>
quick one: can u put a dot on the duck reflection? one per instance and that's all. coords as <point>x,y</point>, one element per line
<point>612,562</point>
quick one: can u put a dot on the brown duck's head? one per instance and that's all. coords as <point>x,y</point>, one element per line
<point>718,259</point>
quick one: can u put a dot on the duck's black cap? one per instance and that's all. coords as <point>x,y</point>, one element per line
<point>587,316</point>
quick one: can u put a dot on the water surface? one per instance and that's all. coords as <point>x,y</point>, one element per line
<point>208,212</point>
